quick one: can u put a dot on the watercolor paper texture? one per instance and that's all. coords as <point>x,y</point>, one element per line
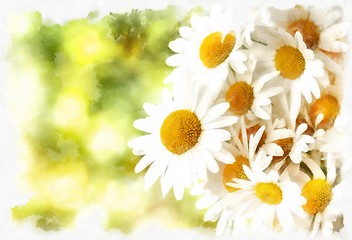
<point>175,120</point>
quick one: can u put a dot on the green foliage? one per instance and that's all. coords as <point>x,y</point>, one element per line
<point>47,217</point>
<point>90,79</point>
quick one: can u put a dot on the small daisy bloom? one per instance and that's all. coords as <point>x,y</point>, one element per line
<point>322,195</point>
<point>321,28</point>
<point>295,66</point>
<point>207,48</point>
<point>243,149</point>
<point>320,117</point>
<point>216,187</point>
<point>243,145</point>
<point>185,136</point>
<point>248,96</point>
<point>262,198</point>
<point>282,142</point>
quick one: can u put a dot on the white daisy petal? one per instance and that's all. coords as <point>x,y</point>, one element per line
<point>285,217</point>
<point>296,156</point>
<point>215,112</point>
<point>200,165</point>
<point>209,160</point>
<point>301,128</point>
<point>206,201</point>
<point>239,55</point>
<point>334,32</point>
<point>150,109</point>
<point>220,122</point>
<point>186,32</point>
<point>155,170</point>
<point>143,163</point>
<point>335,46</point>
<point>179,45</point>
<point>263,79</point>
<point>222,223</point>
<point>331,15</point>
<point>307,54</point>
<point>140,142</point>
<point>166,97</point>
<point>238,66</point>
<point>179,189</point>
<point>271,92</point>
<point>167,179</point>
<point>144,125</point>
<point>209,96</point>
<point>175,60</point>
<point>224,156</point>
<point>295,100</point>
<point>261,102</point>
<point>306,92</point>
<point>259,112</point>
<point>330,64</point>
<point>273,149</point>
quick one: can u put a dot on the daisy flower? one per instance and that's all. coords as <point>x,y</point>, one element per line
<point>322,195</point>
<point>216,189</point>
<point>243,149</point>
<point>185,136</point>
<point>263,198</point>
<point>295,66</point>
<point>207,48</point>
<point>247,95</point>
<point>243,146</point>
<point>282,142</point>
<point>321,29</point>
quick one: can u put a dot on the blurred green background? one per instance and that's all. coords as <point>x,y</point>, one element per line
<point>78,89</point>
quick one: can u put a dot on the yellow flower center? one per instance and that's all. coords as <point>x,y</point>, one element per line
<point>308,29</point>
<point>290,62</point>
<point>180,131</point>
<point>214,49</point>
<point>327,105</point>
<point>241,97</point>
<point>234,170</point>
<point>269,193</point>
<point>318,194</point>
<point>286,145</point>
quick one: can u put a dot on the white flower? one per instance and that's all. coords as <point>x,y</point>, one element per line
<point>262,198</point>
<point>243,150</point>
<point>322,195</point>
<point>216,188</point>
<point>184,138</point>
<point>295,66</point>
<point>247,95</point>
<point>207,48</point>
<point>257,18</point>
<point>321,29</point>
<point>282,142</point>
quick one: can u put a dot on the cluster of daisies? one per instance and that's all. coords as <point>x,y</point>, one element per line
<point>249,125</point>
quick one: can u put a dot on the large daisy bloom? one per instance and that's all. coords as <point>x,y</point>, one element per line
<point>207,48</point>
<point>263,198</point>
<point>247,95</point>
<point>295,65</point>
<point>321,28</point>
<point>184,137</point>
